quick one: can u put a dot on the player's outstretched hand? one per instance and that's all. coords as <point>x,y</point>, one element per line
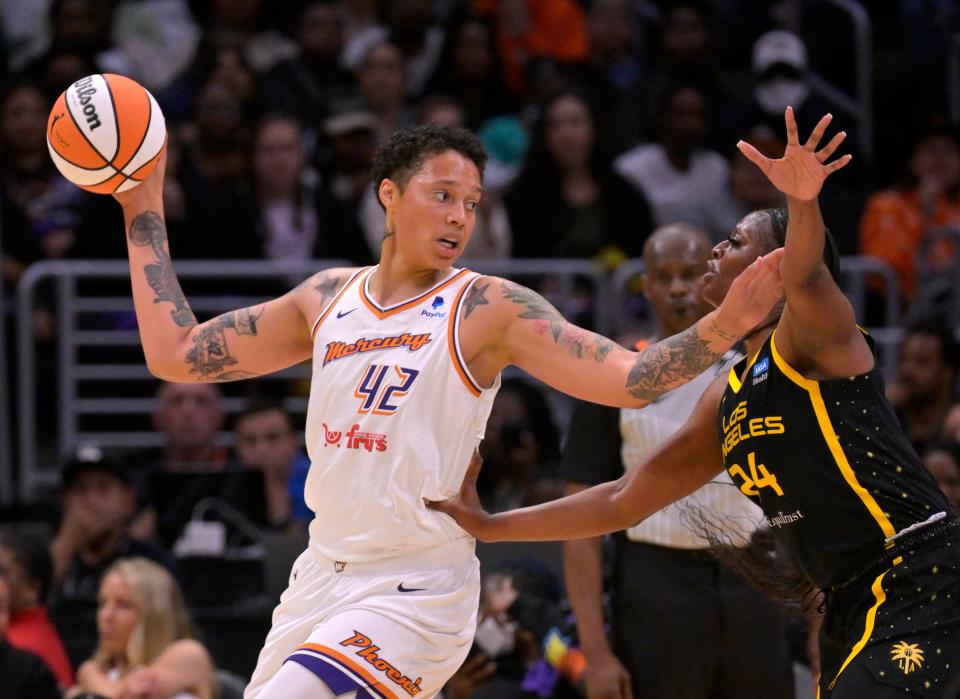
<point>802,169</point>
<point>148,193</point>
<point>465,508</point>
<point>754,293</point>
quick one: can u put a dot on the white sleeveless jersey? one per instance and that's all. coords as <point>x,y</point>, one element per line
<point>393,419</point>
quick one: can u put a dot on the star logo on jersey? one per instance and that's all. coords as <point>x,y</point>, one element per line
<point>909,656</point>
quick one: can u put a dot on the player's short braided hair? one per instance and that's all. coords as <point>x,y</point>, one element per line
<point>778,228</point>
<point>399,158</point>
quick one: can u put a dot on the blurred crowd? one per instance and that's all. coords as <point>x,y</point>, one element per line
<point>604,120</point>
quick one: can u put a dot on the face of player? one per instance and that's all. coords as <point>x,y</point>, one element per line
<point>117,615</point>
<point>672,283</point>
<point>433,216</point>
<point>265,440</point>
<point>748,241</point>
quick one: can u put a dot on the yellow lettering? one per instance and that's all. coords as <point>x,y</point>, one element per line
<point>756,427</point>
<point>774,424</point>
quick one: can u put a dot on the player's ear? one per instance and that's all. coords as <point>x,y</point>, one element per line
<point>388,192</point>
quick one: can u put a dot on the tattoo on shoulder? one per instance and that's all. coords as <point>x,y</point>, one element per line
<point>535,307</point>
<point>327,287</point>
<point>669,363</point>
<point>476,296</point>
<point>578,342</point>
<point>148,229</point>
<point>210,354</point>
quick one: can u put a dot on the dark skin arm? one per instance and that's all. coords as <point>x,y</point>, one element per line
<point>804,329</point>
<point>690,458</point>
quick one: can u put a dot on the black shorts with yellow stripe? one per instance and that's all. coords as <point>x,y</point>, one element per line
<point>896,631</point>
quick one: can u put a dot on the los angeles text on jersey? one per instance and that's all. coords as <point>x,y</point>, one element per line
<point>338,349</point>
<point>740,427</point>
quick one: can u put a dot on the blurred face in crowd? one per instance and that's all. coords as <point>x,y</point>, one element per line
<point>433,213</point>
<point>118,614</point>
<point>945,469</point>
<point>684,120</point>
<point>382,77</point>
<point>219,114</point>
<point>937,157</point>
<point>189,415</point>
<point>612,29</point>
<point>24,594</point>
<point>473,52</point>
<point>951,424</point>
<point>685,37</point>
<point>675,258</point>
<point>231,70</point>
<point>23,121</point>
<point>443,112</point>
<point>320,33</point>
<point>569,131</point>
<point>266,440</point>
<point>278,155</point>
<point>81,24</point>
<point>99,503</point>
<point>921,369</point>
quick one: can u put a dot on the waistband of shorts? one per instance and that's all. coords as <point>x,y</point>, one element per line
<point>913,542</point>
<point>445,555</point>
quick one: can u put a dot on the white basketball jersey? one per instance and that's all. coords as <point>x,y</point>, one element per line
<point>393,419</point>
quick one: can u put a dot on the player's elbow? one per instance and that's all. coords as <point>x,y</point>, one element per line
<point>164,370</point>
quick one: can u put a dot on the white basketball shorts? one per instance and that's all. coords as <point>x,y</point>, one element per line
<point>389,629</point>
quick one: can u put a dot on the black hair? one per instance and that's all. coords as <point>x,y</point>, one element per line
<point>778,228</point>
<point>938,327</point>
<point>32,556</point>
<point>409,147</point>
<point>264,404</point>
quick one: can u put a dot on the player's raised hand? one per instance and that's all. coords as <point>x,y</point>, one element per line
<point>150,191</point>
<point>465,507</point>
<point>802,169</point>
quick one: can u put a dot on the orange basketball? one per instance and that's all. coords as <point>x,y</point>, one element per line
<point>105,133</point>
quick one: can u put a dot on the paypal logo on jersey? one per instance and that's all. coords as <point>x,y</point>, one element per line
<point>436,306</point>
<point>760,370</point>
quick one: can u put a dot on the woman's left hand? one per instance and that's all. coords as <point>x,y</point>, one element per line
<point>466,508</point>
<point>802,169</point>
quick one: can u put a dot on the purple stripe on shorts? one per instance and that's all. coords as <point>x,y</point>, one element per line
<point>335,678</point>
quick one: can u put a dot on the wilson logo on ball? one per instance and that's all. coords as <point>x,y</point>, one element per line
<point>105,133</point>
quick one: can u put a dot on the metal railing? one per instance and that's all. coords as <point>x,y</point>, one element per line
<point>103,382</point>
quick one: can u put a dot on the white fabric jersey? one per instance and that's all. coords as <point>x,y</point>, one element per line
<point>644,430</point>
<point>393,419</point>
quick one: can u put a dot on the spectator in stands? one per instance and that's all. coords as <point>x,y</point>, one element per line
<point>382,81</point>
<point>189,415</point>
<point>951,424</point>
<point>662,567</point>
<point>895,221</point>
<point>296,219</point>
<point>749,187</point>
<point>469,71</point>
<point>307,84</point>
<point>520,449</point>
<point>29,573</point>
<point>943,462</point>
<point>681,178</point>
<point>24,675</point>
<point>925,385</point>
<point>615,71</point>
<point>414,30</point>
<point>533,35</point>
<point>266,440</point>
<point>145,643</point>
<point>97,500</point>
<point>567,200</point>
<point>30,180</point>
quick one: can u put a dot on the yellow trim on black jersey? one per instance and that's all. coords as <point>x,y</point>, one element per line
<point>734,378</point>
<point>880,596</point>
<point>830,436</point>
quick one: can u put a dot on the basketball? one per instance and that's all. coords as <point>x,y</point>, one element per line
<point>105,133</point>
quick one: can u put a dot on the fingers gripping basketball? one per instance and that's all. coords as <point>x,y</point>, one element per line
<point>105,133</point>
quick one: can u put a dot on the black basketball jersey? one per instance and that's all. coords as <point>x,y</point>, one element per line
<point>826,460</point>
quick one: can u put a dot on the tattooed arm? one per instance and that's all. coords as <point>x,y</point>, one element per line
<point>236,345</point>
<point>535,337</point>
